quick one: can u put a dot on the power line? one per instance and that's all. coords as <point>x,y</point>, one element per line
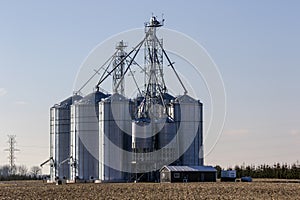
<point>11,149</point>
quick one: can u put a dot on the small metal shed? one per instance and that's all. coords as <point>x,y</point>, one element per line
<point>228,175</point>
<point>171,174</point>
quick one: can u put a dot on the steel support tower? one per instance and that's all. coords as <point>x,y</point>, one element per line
<point>11,155</point>
<point>154,77</point>
<point>119,65</point>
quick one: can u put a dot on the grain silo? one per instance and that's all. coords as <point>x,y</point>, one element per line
<point>188,117</point>
<point>85,137</point>
<point>114,124</point>
<point>60,120</point>
<point>116,138</point>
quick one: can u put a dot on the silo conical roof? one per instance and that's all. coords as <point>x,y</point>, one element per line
<point>93,98</point>
<point>68,102</point>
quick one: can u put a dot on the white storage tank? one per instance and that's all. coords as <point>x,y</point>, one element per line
<point>188,119</point>
<point>142,140</point>
<point>168,151</point>
<point>114,136</point>
<point>85,137</point>
<point>60,138</point>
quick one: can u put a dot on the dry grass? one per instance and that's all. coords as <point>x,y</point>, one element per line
<point>218,190</point>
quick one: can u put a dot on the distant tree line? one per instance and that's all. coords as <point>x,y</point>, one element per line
<point>20,172</point>
<point>279,171</point>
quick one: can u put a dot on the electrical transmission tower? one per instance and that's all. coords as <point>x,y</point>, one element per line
<point>11,155</point>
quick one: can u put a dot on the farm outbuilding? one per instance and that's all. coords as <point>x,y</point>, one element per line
<point>171,174</point>
<point>228,175</point>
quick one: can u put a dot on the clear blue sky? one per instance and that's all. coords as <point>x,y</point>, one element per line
<point>255,44</point>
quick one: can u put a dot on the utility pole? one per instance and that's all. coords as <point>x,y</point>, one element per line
<point>11,156</point>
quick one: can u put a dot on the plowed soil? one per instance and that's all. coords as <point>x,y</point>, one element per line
<point>219,190</point>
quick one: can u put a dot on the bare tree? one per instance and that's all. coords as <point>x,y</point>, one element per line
<point>22,170</point>
<point>35,171</point>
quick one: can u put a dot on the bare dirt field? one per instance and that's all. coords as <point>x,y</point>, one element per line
<point>265,189</point>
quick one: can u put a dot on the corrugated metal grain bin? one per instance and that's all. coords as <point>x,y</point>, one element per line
<point>188,119</point>
<point>114,138</point>
<point>60,138</point>
<point>85,137</point>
